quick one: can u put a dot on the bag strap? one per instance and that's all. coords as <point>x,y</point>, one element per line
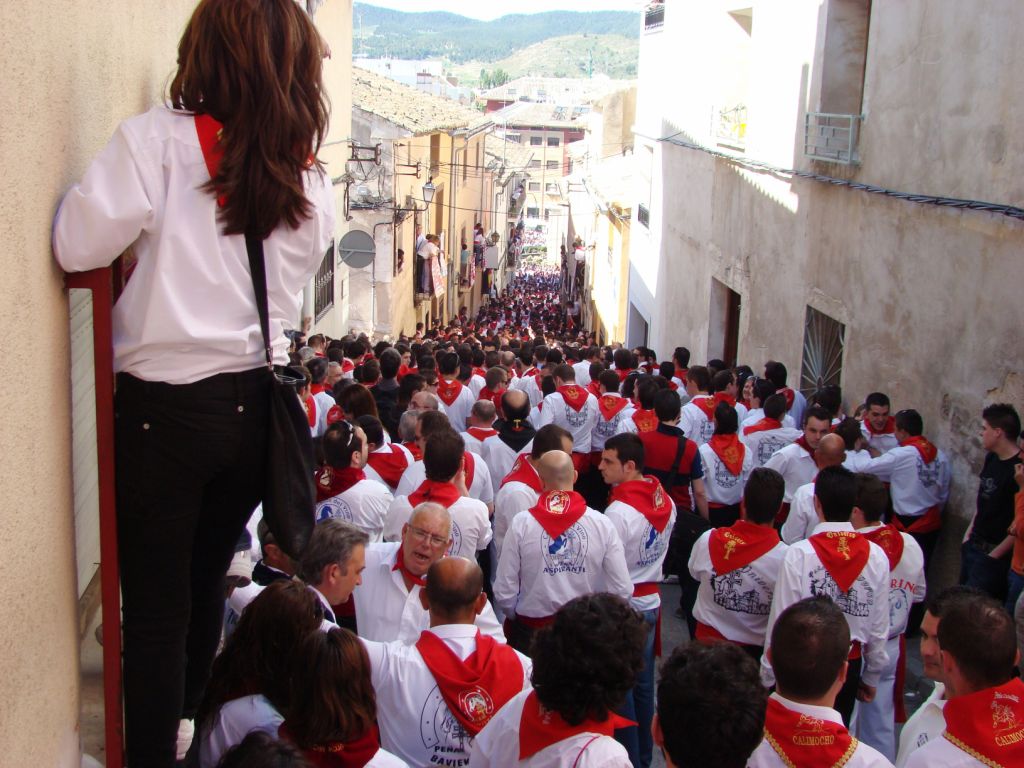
<point>258,270</point>
<point>680,450</point>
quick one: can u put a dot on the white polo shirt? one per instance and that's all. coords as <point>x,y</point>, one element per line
<point>531,387</point>
<point>942,753</point>
<point>386,610</point>
<point>471,525</point>
<point>723,487</point>
<point>415,722</point>
<point>473,443</point>
<point>796,466</point>
<point>754,415</point>
<point>481,489</point>
<point>803,518</point>
<point>324,402</point>
<point>537,575</point>
<point>766,443</point>
<point>365,505</point>
<point>500,458</point>
<point>459,409</point>
<point>925,725</point>
<point>915,486</point>
<point>695,423</point>
<point>643,546</point>
<point>605,428</point>
<point>579,423</point>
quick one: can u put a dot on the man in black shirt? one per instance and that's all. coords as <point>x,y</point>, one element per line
<point>987,548</point>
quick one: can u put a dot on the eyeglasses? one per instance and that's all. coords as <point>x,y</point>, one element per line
<point>419,534</point>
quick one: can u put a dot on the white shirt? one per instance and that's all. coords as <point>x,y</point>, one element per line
<point>537,575</point>
<point>803,518</point>
<point>942,753</point>
<point>531,387</point>
<point>881,443</point>
<point>500,459</point>
<point>459,410</point>
<point>605,428</point>
<point>497,746</point>
<point>471,525</point>
<point>925,725</point>
<point>865,606</point>
<point>857,461</point>
<point>768,442</point>
<point>476,383</point>
<point>481,489</point>
<point>582,369</point>
<point>513,497</point>
<point>915,486</point>
<point>473,444</point>
<point>694,423</point>
<point>364,505</point>
<point>736,604</point>
<point>643,546</point>
<point>723,487</point>
<point>906,582</point>
<point>754,415</point>
<point>235,720</point>
<point>579,423</point>
<point>796,466</point>
<point>324,402</point>
<point>388,447</point>
<point>386,610</point>
<point>189,311</point>
<point>415,722</point>
<point>863,756</point>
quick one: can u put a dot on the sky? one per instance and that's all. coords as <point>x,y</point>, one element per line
<point>494,9</point>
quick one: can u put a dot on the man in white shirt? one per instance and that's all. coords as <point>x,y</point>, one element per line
<point>324,399</point>
<point>878,426</point>
<point>769,434</point>
<point>590,355</point>
<point>737,568</point>
<point>844,566</point>
<point>582,668</point>
<point>796,403</point>
<point>727,465</point>
<point>808,650</point>
<point>558,550</point>
<point>435,696</point>
<point>874,721</point>
<point>342,487</point>
<point>458,399</point>
<point>697,417</point>
<point>803,518</point>
<point>444,461</point>
<point>857,454</point>
<point>573,409</point>
<point>387,601</point>
<point>796,462</point>
<point>386,461</point>
<point>479,426</point>
<point>763,389</point>
<point>984,712</point>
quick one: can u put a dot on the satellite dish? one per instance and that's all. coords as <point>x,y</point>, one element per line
<point>357,249</point>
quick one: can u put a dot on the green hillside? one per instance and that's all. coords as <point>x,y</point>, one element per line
<point>566,56</point>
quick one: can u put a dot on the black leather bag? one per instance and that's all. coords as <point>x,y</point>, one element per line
<point>289,495</point>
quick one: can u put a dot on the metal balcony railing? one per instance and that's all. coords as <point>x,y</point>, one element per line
<point>654,16</point>
<point>832,137</point>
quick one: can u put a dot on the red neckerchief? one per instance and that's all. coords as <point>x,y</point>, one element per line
<point>802,442</point>
<point>335,414</point>
<point>681,373</point>
<point>477,687</point>
<point>347,366</point>
<point>414,449</point>
<point>316,389</point>
<point>624,373</point>
<point>444,494</point>
<point>594,388</point>
<point>399,565</point>
<point>740,544</point>
<point>730,450</point>
<point>673,386</point>
<point>540,728</point>
<point>404,370</point>
<point>889,539</point>
<point>646,421</point>
<point>790,396</point>
<point>523,472</point>
<point>491,394</point>
<point>469,468</point>
<point>926,449</point>
<point>331,481</point>
<point>310,405</point>
<point>339,754</point>
<point>389,464</point>
<point>575,397</point>
<point>209,132</point>
<point>888,429</point>
<point>479,372</point>
<point>706,403</point>
<point>764,425</point>
<point>557,511</point>
<point>528,372</point>
<point>807,741</point>
<point>448,391</point>
<point>647,497</point>
<point>610,405</point>
<point>481,433</point>
<point>723,397</point>
<point>989,724</point>
<point>843,553</point>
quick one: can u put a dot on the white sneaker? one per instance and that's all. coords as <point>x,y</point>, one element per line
<point>186,730</point>
<point>240,571</point>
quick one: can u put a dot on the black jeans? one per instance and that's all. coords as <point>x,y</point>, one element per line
<point>190,460</point>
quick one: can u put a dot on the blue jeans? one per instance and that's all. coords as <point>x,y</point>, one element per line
<point>979,570</point>
<point>1016,586</point>
<point>639,704</point>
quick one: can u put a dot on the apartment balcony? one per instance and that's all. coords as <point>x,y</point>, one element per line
<point>832,138</point>
<point>654,16</point>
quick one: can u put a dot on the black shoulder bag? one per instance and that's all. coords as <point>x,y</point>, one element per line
<point>289,496</point>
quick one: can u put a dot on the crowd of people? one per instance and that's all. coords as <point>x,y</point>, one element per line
<point>498,503</point>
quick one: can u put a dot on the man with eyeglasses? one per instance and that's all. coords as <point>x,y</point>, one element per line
<point>388,603</point>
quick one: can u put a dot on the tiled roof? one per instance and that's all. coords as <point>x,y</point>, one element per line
<point>408,107</point>
<point>527,113</point>
<point>514,157</point>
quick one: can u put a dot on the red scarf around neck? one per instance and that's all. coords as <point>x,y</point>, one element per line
<point>557,511</point>
<point>310,405</point>
<point>331,481</point>
<point>730,450</point>
<point>802,442</point>
<point>448,391</point>
<point>764,425</point>
<point>316,389</point>
<point>926,449</point>
<point>647,497</point>
<point>477,687</point>
<point>594,388</point>
<point>539,728</point>
<point>890,540</point>
<point>417,581</point>
<point>888,429</point>
<point>790,396</point>
<point>739,545</point>
<point>989,724</point>
<point>575,397</point>
<point>444,494</point>
<point>339,754</point>
<point>481,433</point>
<point>843,553</point>
<point>707,404</point>
<point>523,472</point>
<point>390,464</point>
<point>723,397</point>
<point>807,741</point>
<point>646,421</point>
<point>624,374</point>
<point>414,449</point>
<point>610,406</point>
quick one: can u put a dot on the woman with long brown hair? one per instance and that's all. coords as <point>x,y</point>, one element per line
<point>232,154</point>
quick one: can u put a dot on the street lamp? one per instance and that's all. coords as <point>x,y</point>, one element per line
<point>428,191</point>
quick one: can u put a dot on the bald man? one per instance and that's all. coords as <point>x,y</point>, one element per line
<point>388,606</point>
<point>435,696</point>
<point>557,550</point>
<point>480,425</point>
<point>802,518</point>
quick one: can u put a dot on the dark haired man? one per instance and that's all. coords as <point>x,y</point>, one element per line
<point>386,462</point>
<point>762,390</point>
<point>985,709</point>
<point>879,426</point>
<point>770,433</point>
<point>673,458</point>
<point>796,403</point>
<point>573,409</point>
<point>703,683</point>
<point>698,416</point>
<point>727,465</point>
<point>324,400</point>
<point>584,663</point>
<point>723,390</point>
<point>643,418</point>
<point>795,462</point>
<point>842,565</point>
<point>808,648</point>
<point>681,360</point>
<point>458,399</point>
<point>737,567</point>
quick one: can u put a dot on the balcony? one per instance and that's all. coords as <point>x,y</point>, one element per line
<point>654,16</point>
<point>832,137</point>
<point>731,126</point>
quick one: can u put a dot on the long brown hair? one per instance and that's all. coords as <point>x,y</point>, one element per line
<point>332,695</point>
<point>256,67</point>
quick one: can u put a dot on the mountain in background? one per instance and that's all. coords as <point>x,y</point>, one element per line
<point>560,43</point>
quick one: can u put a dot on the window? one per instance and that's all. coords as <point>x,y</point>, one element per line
<point>532,213</point>
<point>536,141</point>
<point>824,338</point>
<point>535,163</point>
<point>654,15</point>
<point>552,165</point>
<point>535,186</point>
<point>554,141</point>
<point>547,214</point>
<point>323,285</point>
<point>552,189</point>
<point>643,215</point>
